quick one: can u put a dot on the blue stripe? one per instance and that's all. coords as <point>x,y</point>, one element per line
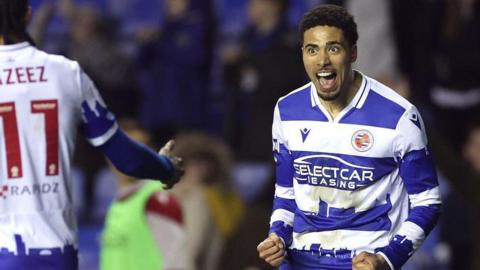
<point>342,253</point>
<point>331,218</point>
<point>418,171</point>
<point>60,258</point>
<point>287,204</point>
<point>298,106</point>
<point>425,216</point>
<point>339,171</point>
<point>306,260</point>
<point>284,169</point>
<point>398,251</point>
<point>98,122</point>
<point>283,230</point>
<point>377,111</point>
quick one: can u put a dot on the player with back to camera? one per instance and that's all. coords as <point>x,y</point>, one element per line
<point>356,187</point>
<point>43,100</point>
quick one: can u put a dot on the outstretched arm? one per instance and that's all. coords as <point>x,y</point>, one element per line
<point>135,159</point>
<point>129,157</point>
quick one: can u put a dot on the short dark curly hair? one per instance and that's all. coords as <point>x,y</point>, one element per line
<point>330,15</point>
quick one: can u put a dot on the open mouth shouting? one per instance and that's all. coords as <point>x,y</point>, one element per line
<point>327,80</point>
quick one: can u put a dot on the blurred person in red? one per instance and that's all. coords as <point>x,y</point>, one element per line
<point>213,211</point>
<point>143,207</point>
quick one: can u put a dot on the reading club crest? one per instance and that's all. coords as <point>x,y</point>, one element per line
<point>362,140</point>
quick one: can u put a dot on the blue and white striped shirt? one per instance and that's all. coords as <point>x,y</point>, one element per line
<point>363,181</point>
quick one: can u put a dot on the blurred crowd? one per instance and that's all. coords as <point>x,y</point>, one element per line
<point>208,73</point>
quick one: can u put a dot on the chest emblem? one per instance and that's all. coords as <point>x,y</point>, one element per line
<point>362,140</point>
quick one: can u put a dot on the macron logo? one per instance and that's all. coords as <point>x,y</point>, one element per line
<point>415,120</point>
<point>304,133</point>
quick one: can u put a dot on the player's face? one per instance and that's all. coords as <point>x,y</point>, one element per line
<point>327,58</point>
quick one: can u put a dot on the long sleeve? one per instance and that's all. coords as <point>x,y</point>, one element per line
<point>100,127</point>
<point>284,205</point>
<point>418,172</point>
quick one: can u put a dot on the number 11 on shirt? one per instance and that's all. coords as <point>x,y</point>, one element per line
<point>49,108</point>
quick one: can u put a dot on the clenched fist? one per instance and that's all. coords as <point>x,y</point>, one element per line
<point>369,261</point>
<point>272,250</point>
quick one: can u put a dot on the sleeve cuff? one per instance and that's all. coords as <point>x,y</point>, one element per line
<point>283,231</point>
<point>398,251</point>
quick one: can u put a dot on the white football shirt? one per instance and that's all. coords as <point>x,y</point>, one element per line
<point>44,99</point>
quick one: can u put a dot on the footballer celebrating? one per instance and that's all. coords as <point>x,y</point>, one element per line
<point>356,187</point>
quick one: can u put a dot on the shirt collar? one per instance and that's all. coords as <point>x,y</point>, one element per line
<point>357,100</point>
<point>14,47</point>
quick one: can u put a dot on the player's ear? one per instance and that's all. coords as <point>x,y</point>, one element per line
<point>353,53</point>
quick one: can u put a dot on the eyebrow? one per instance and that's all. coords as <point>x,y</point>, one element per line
<point>329,43</point>
<point>311,45</point>
<point>333,43</point>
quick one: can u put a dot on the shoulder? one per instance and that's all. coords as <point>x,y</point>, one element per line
<point>383,100</point>
<point>296,104</point>
<point>164,204</point>
<point>299,93</point>
<point>390,96</point>
<point>59,62</point>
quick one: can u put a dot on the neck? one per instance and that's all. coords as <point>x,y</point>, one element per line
<point>351,86</point>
